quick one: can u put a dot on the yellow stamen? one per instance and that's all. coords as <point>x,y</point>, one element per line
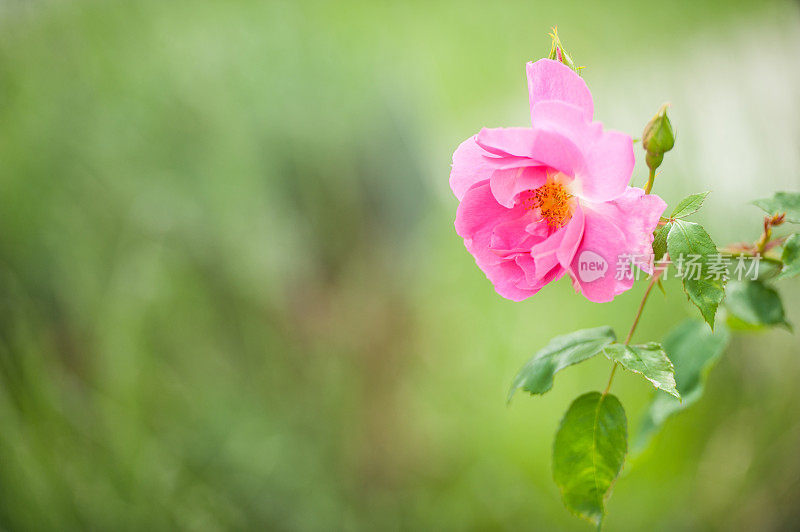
<point>553,202</point>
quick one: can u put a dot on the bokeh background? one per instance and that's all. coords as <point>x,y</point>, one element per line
<point>232,297</point>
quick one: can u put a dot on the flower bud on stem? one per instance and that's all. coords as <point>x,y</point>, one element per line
<point>557,52</point>
<point>657,139</point>
<point>769,223</point>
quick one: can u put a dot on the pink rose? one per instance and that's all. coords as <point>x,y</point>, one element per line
<point>540,202</point>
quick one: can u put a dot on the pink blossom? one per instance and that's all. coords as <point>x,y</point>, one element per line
<point>539,202</point>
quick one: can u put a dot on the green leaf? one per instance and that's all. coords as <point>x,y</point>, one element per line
<point>537,375</point>
<point>690,238</point>
<point>706,294</point>
<point>693,350</point>
<point>755,303</point>
<point>689,205</point>
<point>788,202</point>
<point>648,360</point>
<point>687,239</point>
<point>588,453</point>
<point>791,257</point>
<point>660,241</point>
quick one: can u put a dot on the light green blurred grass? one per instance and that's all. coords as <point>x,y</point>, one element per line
<point>232,296</point>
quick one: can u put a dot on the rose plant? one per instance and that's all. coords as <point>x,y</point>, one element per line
<point>554,199</point>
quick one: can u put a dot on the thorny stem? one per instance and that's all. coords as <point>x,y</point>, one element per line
<point>762,245</point>
<point>610,379</point>
<point>765,258</point>
<point>653,279</point>
<point>762,242</point>
<point>650,286</point>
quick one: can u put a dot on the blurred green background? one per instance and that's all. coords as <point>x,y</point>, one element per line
<point>232,297</point>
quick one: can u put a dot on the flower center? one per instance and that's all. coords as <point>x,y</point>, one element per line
<point>553,202</point>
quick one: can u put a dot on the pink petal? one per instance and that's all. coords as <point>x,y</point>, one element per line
<point>506,184</point>
<point>609,166</point>
<point>480,220</point>
<point>607,155</point>
<point>573,234</point>
<point>506,141</point>
<point>528,267</point>
<point>479,211</point>
<point>558,151</point>
<point>510,238</point>
<point>636,214</point>
<point>557,250</point>
<point>552,80</point>
<point>603,239</point>
<point>507,279</point>
<point>469,167</point>
<point>536,279</point>
<point>477,216</point>
<point>504,162</point>
<point>553,275</point>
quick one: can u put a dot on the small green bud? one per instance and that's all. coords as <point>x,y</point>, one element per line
<point>654,160</point>
<point>658,137</point>
<point>558,53</point>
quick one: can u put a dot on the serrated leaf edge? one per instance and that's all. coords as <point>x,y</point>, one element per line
<point>655,385</point>
<point>684,215</point>
<point>514,387</point>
